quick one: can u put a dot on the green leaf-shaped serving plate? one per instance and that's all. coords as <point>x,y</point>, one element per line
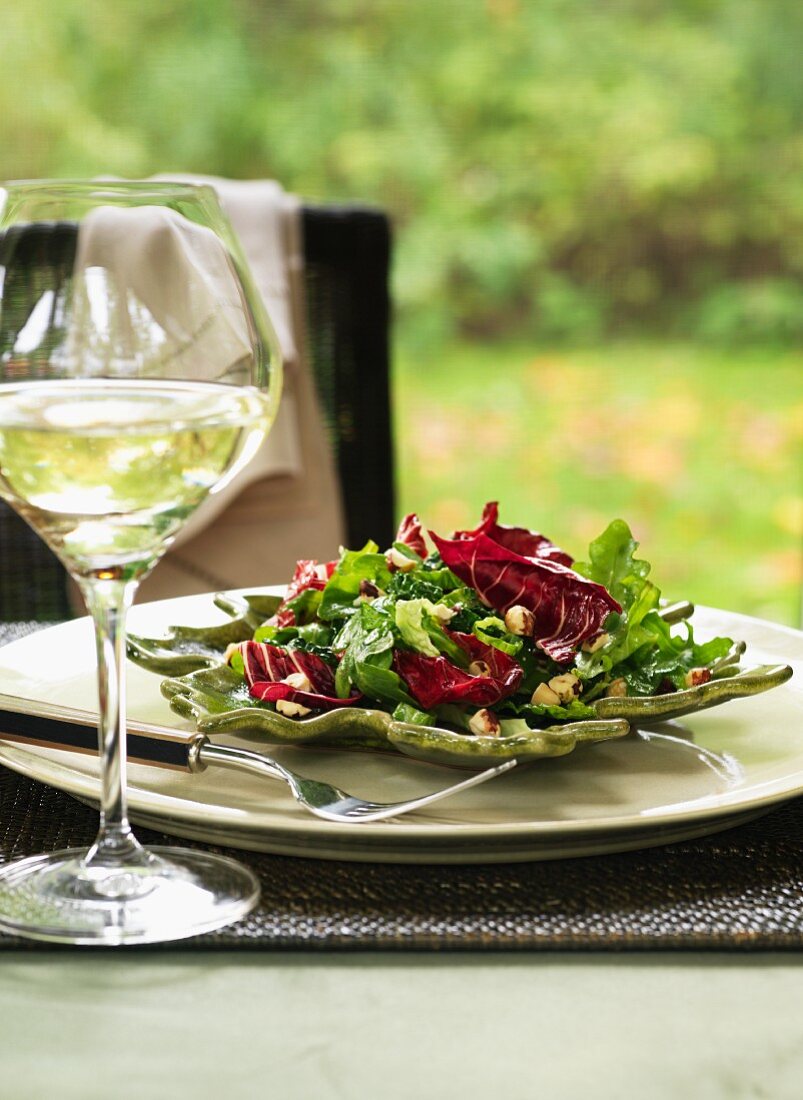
<point>200,687</point>
<point>217,700</point>
<point>188,648</point>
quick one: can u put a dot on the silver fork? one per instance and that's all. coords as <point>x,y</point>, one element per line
<point>49,724</point>
<point>322,799</point>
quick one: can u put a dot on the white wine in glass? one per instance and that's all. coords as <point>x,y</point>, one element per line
<point>138,374</point>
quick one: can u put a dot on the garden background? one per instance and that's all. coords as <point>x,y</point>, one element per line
<point>598,212</point>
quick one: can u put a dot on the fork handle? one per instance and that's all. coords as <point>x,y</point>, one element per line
<point>203,753</point>
<point>67,728</point>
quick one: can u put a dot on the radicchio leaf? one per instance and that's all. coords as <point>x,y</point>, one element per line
<point>308,574</point>
<point>518,539</point>
<point>411,533</point>
<point>266,667</point>
<point>568,609</point>
<point>269,693</point>
<point>435,680</point>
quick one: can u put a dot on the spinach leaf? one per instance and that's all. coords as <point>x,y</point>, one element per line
<point>276,635</point>
<point>305,605</point>
<point>367,641</point>
<point>319,634</point>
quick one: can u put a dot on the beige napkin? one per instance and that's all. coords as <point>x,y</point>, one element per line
<point>164,288</point>
<point>285,504</point>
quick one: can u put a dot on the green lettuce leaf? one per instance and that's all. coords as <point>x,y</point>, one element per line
<point>422,630</point>
<point>416,717</point>
<point>409,616</point>
<point>343,587</point>
<point>491,630</point>
<point>536,715</point>
<point>668,656</point>
<point>612,563</point>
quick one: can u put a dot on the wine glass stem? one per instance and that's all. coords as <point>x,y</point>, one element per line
<point>108,602</point>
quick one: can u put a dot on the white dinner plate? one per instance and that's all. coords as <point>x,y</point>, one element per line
<point>671,782</point>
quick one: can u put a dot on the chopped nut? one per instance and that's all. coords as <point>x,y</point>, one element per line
<point>596,643</point>
<point>479,668</point>
<point>444,613</point>
<point>231,649</point>
<point>519,620</point>
<point>368,590</point>
<point>566,686</point>
<point>290,709</point>
<point>287,707</point>
<point>398,561</point>
<point>544,696</point>
<point>298,680</point>
<point>696,676</point>
<point>617,689</point>
<point>484,724</point>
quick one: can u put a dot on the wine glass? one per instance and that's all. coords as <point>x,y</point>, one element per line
<point>138,373</point>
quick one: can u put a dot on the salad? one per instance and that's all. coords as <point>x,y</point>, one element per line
<point>491,632</point>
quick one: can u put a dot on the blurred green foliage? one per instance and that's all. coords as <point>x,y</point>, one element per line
<point>624,174</point>
<point>563,168</point>
<point>698,448</point>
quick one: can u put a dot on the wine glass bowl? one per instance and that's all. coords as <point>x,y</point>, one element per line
<point>138,374</point>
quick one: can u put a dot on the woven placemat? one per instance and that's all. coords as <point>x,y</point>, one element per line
<point>738,889</point>
<point>742,888</point>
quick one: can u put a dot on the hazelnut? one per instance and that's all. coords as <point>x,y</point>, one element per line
<point>368,590</point>
<point>484,724</point>
<point>696,676</point>
<point>398,562</point>
<point>287,707</point>
<point>617,689</point>
<point>519,620</point>
<point>443,613</point>
<point>290,709</point>
<point>298,680</point>
<point>544,696</point>
<point>479,668</point>
<point>596,643</point>
<point>566,686</point>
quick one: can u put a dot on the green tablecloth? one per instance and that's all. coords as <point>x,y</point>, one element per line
<point>79,1026</point>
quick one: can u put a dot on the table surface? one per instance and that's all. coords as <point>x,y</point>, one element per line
<point>82,1025</point>
<point>294,1025</point>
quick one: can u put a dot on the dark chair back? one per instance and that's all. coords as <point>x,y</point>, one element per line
<point>347,262</point>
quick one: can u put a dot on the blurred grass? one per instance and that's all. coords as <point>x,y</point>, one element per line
<point>699,449</point>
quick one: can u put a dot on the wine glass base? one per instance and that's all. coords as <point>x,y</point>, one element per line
<point>178,893</point>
